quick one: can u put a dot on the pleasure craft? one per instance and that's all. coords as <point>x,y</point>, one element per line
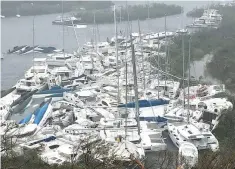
<point>202,91</point>
<point>125,151</point>
<point>4,111</point>
<point>67,20</point>
<point>38,69</point>
<point>193,132</point>
<point>151,137</point>
<point>182,31</point>
<point>118,122</point>
<point>60,153</point>
<point>212,109</point>
<point>188,155</point>
<point>170,88</point>
<point>17,49</point>
<point>27,50</point>
<point>30,85</point>
<point>160,35</point>
<point>58,59</point>
<point>111,134</point>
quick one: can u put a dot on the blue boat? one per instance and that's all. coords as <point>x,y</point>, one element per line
<point>36,113</point>
<point>146,103</point>
<point>54,89</point>
<point>48,139</point>
<point>26,119</point>
<point>39,115</point>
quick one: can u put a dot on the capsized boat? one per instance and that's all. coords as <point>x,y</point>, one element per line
<point>17,49</point>
<point>55,91</point>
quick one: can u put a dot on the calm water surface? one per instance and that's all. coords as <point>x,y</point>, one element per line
<point>18,31</point>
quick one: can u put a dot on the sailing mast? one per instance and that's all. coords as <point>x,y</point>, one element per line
<point>135,86</point>
<point>158,65</point>
<point>183,70</point>
<point>62,9</point>
<point>189,58</point>
<point>33,41</point>
<point>166,44</point>
<point>116,45</point>
<point>142,54</point>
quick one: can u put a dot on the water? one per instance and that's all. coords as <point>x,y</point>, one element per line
<point>18,31</point>
<point>198,68</point>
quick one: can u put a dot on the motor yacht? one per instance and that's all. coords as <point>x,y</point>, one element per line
<point>38,69</point>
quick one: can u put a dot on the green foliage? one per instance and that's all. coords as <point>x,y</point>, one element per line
<point>10,8</point>
<point>195,13</point>
<point>135,12</point>
<point>219,42</point>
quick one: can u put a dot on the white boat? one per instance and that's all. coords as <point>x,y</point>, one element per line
<point>60,153</point>
<point>118,122</point>
<point>194,133</point>
<point>188,155</point>
<point>111,134</point>
<point>4,111</point>
<point>30,85</point>
<point>38,69</point>
<point>159,35</point>
<point>78,26</point>
<point>18,16</point>
<point>58,59</point>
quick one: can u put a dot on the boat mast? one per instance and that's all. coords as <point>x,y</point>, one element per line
<point>142,54</point>
<point>135,85</point>
<point>75,35</point>
<point>33,41</point>
<point>183,70</point>
<point>189,59</point>
<point>116,45</point>
<point>166,44</point>
<point>158,70</point>
<point>95,38</point>
<point>62,9</point>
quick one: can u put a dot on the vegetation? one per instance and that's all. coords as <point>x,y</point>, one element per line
<point>195,13</point>
<point>218,42</point>
<point>135,12</point>
<point>25,8</point>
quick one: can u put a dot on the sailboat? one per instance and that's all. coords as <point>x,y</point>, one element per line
<point>192,131</point>
<point>18,15</point>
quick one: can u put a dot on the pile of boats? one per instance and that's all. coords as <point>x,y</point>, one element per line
<point>92,95</point>
<point>210,19</point>
<point>25,49</point>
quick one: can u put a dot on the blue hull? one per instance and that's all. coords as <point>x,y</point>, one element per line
<point>55,89</point>
<point>145,103</point>
<point>26,119</point>
<point>39,115</point>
